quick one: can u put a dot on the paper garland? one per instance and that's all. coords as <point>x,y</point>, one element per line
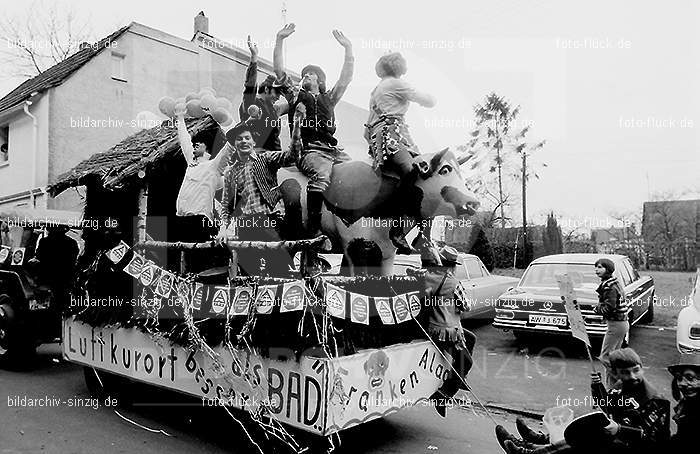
<point>359,308</point>
<point>335,301</point>
<point>293,296</point>
<point>265,299</point>
<point>401,310</point>
<point>117,253</point>
<point>239,301</point>
<point>4,253</point>
<point>220,300</point>
<point>383,305</point>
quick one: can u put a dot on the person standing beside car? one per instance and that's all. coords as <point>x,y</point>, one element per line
<point>614,307</point>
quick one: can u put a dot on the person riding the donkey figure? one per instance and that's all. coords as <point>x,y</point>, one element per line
<point>320,151</point>
<point>390,144</point>
<point>639,415</point>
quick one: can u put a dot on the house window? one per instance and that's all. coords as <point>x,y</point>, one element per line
<point>4,145</point>
<point>118,69</point>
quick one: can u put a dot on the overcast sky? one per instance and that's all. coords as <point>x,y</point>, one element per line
<point>612,86</point>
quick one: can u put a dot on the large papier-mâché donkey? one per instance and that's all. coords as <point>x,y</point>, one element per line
<point>360,200</point>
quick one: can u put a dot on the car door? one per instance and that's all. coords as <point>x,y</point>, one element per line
<point>479,284</point>
<point>635,292</point>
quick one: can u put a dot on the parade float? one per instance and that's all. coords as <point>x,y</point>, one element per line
<point>317,352</point>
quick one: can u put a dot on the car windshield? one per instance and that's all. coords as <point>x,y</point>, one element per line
<point>544,275</point>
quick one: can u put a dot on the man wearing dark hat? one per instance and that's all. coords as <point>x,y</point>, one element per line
<point>57,254</point>
<point>443,322</point>
<point>320,151</point>
<point>251,193</point>
<point>265,103</point>
<point>639,416</point>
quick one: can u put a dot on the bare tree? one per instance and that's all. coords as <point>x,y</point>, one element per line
<point>669,223</point>
<point>45,34</point>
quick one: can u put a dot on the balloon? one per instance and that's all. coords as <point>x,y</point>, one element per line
<point>225,103</point>
<point>209,90</point>
<point>190,96</point>
<point>194,108</point>
<point>227,123</point>
<point>208,102</point>
<point>166,105</point>
<point>254,111</point>
<point>220,115</point>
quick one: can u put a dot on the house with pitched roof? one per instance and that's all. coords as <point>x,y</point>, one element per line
<point>109,90</point>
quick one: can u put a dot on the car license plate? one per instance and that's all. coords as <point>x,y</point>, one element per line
<point>536,319</point>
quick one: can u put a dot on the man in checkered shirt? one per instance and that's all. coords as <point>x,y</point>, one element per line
<point>251,195</point>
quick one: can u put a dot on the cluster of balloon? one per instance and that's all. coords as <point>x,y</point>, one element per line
<point>196,105</point>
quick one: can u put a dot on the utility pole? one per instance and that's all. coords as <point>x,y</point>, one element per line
<point>525,257</point>
<point>499,144</point>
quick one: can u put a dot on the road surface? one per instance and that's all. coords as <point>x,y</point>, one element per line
<point>506,374</point>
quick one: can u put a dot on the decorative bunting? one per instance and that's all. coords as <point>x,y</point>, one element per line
<point>359,308</point>
<point>148,273</point>
<point>265,299</point>
<point>164,285</point>
<point>4,253</point>
<point>17,256</point>
<point>135,265</point>
<point>414,304</point>
<point>292,296</point>
<point>241,301</point>
<point>117,253</point>
<point>401,309</point>
<point>220,299</point>
<point>335,301</point>
<point>197,296</point>
<point>391,310</point>
<point>383,305</point>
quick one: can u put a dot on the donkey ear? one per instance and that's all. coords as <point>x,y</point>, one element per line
<point>437,159</point>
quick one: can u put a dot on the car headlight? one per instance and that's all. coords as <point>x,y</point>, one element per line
<point>695,332</point>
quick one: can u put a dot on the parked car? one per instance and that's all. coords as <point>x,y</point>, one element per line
<point>479,290</point>
<point>688,326</point>
<point>535,306</point>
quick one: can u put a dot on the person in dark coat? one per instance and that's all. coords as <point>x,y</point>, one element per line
<point>57,254</point>
<point>443,323</point>
<point>613,306</point>
<point>639,415</point>
<point>686,390</point>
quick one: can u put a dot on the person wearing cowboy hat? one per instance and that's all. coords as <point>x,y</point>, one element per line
<point>686,390</point>
<point>320,151</point>
<point>443,322</point>
<point>252,196</point>
<point>265,103</point>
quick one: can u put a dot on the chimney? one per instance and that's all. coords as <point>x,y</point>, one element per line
<point>201,23</point>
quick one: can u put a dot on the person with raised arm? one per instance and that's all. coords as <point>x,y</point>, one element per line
<point>390,144</point>
<point>265,103</point>
<point>320,151</point>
